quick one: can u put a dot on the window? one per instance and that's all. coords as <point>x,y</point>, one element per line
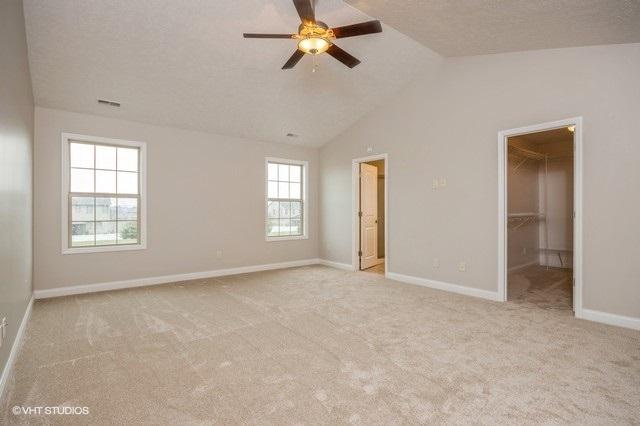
<point>286,209</point>
<point>103,203</point>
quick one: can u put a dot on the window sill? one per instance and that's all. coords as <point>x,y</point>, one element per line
<point>103,249</point>
<point>297,237</point>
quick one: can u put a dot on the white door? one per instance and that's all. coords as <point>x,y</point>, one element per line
<point>368,216</point>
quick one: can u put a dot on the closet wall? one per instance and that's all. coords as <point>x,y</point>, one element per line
<point>559,213</point>
<point>538,187</point>
<point>522,197</point>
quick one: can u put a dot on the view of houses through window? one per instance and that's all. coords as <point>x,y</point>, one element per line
<point>104,199</point>
<point>285,199</point>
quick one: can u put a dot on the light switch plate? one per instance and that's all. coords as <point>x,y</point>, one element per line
<point>3,330</point>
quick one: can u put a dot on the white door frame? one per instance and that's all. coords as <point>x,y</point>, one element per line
<point>577,203</point>
<point>355,205</point>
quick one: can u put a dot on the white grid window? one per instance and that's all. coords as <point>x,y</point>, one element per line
<point>103,203</point>
<point>286,208</point>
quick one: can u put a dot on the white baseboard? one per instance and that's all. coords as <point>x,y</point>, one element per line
<point>142,282</point>
<point>524,265</point>
<point>337,265</point>
<point>17,342</point>
<point>611,319</point>
<point>439,285</point>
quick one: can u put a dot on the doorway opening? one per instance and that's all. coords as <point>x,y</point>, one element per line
<point>540,216</point>
<point>370,207</point>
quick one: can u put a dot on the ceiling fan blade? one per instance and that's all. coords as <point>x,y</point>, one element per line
<point>293,60</point>
<point>305,10</point>
<point>250,35</point>
<point>369,27</point>
<point>342,56</point>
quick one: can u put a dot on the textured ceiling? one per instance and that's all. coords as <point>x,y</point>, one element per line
<point>548,136</point>
<point>557,142</point>
<point>185,64</point>
<point>477,27</point>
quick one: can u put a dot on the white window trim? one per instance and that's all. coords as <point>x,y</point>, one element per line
<point>66,138</point>
<point>305,199</point>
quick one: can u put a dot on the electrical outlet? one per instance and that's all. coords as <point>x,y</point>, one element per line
<point>369,149</point>
<point>524,251</point>
<point>436,263</point>
<point>219,254</point>
<point>462,266</point>
<point>434,184</point>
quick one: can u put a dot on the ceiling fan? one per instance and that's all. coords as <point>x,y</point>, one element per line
<point>315,37</point>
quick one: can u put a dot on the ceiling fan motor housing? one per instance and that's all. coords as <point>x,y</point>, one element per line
<point>315,38</point>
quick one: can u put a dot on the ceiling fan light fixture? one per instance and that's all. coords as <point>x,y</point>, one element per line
<point>314,45</point>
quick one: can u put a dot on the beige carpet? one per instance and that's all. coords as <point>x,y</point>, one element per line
<point>322,346</point>
<point>378,269</point>
<point>547,288</point>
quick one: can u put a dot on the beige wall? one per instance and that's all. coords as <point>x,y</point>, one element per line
<point>205,193</point>
<point>16,144</point>
<point>447,125</point>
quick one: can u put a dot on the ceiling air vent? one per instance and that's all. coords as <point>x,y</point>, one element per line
<point>110,103</point>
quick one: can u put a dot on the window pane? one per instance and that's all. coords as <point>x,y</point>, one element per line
<point>81,155</point>
<point>82,234</point>
<point>273,209</point>
<point>285,208</point>
<point>283,172</point>
<point>82,209</point>
<point>295,173</point>
<point>294,190</point>
<point>81,180</point>
<point>105,209</point>
<point>285,226</point>
<point>284,218</point>
<point>105,157</point>
<point>273,171</point>
<point>105,233</point>
<point>296,209</point>
<point>128,159</point>
<point>273,190</point>
<point>127,232</point>
<point>283,189</point>
<point>127,182</point>
<point>296,227</point>
<point>105,181</point>
<point>273,227</point>
<point>128,208</point>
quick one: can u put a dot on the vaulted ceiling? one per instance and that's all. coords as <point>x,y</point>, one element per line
<point>185,64</point>
<point>479,27</point>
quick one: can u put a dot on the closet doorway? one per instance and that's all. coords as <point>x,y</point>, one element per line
<point>370,211</point>
<point>540,216</point>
